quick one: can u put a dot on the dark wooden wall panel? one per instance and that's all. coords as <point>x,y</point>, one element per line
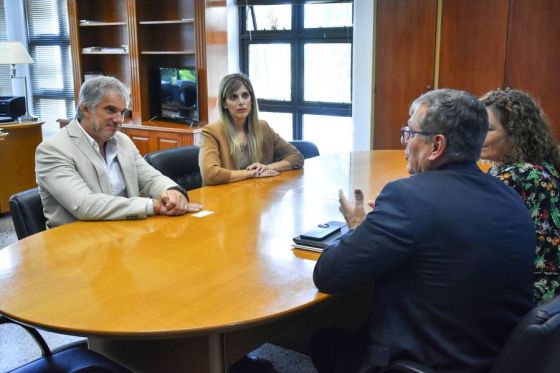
<point>533,50</point>
<point>405,54</point>
<point>473,44</point>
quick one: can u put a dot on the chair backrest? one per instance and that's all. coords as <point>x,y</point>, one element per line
<point>26,210</point>
<point>534,345</point>
<point>307,148</point>
<point>180,164</point>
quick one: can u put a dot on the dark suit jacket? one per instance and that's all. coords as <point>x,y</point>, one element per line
<point>451,252</point>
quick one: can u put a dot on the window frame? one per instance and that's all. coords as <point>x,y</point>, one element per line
<point>62,40</point>
<point>297,37</point>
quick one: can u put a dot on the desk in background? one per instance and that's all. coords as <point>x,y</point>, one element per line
<point>17,159</point>
<point>188,293</point>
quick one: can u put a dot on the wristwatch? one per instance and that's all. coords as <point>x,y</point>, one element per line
<point>181,190</point>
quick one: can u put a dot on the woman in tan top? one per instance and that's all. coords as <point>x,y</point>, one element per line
<point>240,146</point>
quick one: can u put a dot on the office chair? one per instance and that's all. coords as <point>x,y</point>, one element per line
<point>307,148</point>
<point>26,210</point>
<point>180,164</point>
<point>71,358</point>
<point>533,346</point>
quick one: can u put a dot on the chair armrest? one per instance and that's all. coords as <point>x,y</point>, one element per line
<point>45,350</point>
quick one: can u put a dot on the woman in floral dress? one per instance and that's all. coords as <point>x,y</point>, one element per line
<point>527,158</point>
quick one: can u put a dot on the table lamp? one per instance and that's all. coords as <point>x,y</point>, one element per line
<point>12,52</point>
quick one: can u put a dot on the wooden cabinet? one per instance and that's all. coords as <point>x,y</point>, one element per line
<point>533,62</point>
<point>405,53</point>
<point>472,45</point>
<point>17,152</point>
<point>154,136</point>
<point>129,38</point>
<point>158,136</point>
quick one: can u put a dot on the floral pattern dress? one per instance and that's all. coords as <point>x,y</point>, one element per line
<point>537,184</point>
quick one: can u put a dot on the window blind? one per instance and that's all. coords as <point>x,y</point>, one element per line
<point>5,80</point>
<point>51,74</point>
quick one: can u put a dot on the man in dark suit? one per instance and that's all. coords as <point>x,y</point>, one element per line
<point>449,248</point>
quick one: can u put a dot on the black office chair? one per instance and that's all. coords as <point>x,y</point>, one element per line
<point>71,358</point>
<point>533,346</point>
<point>180,164</point>
<point>307,148</point>
<point>26,210</point>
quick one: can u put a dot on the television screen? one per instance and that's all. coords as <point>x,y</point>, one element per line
<point>178,93</point>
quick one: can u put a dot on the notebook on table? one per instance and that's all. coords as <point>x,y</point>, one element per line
<point>323,235</point>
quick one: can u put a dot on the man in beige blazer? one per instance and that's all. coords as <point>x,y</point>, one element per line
<point>91,171</point>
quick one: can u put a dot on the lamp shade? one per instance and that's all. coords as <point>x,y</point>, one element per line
<point>13,52</point>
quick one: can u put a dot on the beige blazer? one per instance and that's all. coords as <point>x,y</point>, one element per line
<point>74,185</point>
<point>216,162</point>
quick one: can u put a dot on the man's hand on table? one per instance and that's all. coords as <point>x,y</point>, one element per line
<point>173,202</point>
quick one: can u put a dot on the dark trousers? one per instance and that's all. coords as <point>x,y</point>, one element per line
<point>336,350</point>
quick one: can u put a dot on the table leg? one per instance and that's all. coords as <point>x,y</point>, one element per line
<point>195,354</point>
<point>217,353</point>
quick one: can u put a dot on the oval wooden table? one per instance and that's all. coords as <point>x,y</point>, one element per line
<point>188,293</point>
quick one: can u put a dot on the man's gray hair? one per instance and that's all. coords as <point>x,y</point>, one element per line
<point>95,89</point>
<point>459,116</point>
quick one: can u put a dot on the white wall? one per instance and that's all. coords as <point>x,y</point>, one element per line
<point>362,95</point>
<point>233,36</point>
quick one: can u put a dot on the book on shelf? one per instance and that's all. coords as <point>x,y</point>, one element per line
<point>117,50</point>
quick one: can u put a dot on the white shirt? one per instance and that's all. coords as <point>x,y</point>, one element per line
<point>110,164</point>
<point>113,168</point>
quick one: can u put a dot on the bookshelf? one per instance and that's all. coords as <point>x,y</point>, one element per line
<point>127,38</point>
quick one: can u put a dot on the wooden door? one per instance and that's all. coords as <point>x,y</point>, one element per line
<point>533,54</point>
<point>404,64</point>
<point>473,45</point>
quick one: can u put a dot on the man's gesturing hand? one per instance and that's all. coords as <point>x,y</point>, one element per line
<point>354,215</point>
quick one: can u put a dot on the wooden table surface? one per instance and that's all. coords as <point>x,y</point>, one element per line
<point>176,276</point>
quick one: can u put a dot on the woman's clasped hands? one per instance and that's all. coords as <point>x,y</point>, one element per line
<point>261,170</point>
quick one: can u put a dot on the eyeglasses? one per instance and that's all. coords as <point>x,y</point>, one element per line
<point>407,134</point>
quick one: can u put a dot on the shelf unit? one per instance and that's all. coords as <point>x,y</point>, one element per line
<point>167,22</point>
<point>86,23</point>
<point>151,34</point>
<point>105,52</point>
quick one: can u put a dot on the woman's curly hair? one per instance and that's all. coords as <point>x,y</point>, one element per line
<point>525,124</point>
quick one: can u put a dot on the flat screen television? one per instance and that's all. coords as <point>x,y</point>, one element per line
<point>175,94</point>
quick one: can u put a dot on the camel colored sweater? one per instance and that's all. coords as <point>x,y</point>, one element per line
<point>216,161</point>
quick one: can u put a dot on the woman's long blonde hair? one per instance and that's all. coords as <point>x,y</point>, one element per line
<point>229,84</point>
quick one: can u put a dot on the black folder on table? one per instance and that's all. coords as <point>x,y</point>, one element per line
<point>320,237</point>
